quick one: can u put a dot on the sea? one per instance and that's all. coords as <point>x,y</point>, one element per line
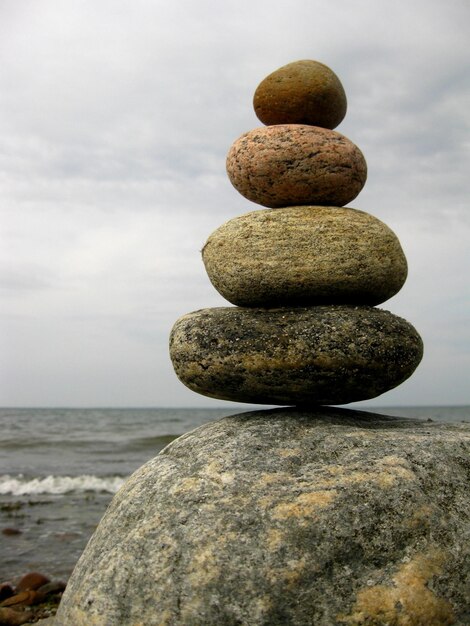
<point>60,467</point>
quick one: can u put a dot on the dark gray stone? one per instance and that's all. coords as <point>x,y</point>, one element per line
<point>286,517</point>
<point>304,356</point>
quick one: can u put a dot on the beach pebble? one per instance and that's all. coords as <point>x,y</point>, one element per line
<point>305,255</point>
<point>6,591</point>
<point>303,92</point>
<point>32,580</point>
<point>24,598</point>
<point>11,532</point>
<point>9,617</point>
<point>33,590</point>
<point>286,517</point>
<point>303,356</point>
<point>53,587</point>
<point>293,164</point>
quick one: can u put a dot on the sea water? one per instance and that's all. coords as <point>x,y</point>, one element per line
<point>59,468</point>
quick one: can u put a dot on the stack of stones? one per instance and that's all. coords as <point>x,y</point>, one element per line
<point>294,515</point>
<point>306,273</point>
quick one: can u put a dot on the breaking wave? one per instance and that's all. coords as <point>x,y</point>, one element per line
<point>58,485</point>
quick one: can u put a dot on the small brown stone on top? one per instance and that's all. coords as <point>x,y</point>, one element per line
<point>303,92</point>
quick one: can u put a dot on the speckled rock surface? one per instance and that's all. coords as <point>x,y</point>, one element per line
<point>315,355</point>
<point>305,255</point>
<point>324,518</point>
<point>294,164</point>
<point>303,92</point>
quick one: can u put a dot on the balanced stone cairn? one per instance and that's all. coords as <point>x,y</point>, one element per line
<point>305,273</point>
<point>301,515</point>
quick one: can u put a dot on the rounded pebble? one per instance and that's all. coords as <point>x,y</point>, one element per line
<point>305,255</point>
<point>294,164</point>
<point>302,356</point>
<point>303,92</point>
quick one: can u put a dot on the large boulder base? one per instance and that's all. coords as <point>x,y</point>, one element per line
<point>291,356</point>
<point>305,255</point>
<point>296,164</point>
<point>278,517</point>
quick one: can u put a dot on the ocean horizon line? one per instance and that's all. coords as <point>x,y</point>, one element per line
<point>247,407</point>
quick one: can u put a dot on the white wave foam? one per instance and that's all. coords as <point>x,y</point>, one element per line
<point>58,485</point>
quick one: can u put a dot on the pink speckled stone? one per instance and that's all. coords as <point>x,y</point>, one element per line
<point>296,164</point>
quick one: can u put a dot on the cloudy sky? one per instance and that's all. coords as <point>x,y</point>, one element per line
<point>115,120</point>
